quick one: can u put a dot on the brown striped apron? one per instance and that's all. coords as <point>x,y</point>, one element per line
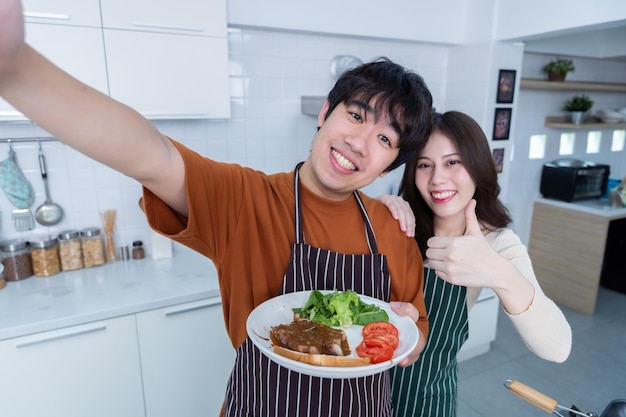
<point>260,387</point>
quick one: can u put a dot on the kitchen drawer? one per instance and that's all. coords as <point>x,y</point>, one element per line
<point>87,370</point>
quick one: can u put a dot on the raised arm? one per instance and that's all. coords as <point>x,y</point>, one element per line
<point>83,118</point>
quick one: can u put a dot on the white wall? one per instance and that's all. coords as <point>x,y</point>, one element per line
<point>532,108</point>
<point>270,70</point>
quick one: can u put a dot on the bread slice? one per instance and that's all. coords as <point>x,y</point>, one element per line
<point>319,359</point>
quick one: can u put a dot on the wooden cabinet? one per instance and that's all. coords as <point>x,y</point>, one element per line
<point>567,246</point>
<point>88,370</point>
<point>186,358</point>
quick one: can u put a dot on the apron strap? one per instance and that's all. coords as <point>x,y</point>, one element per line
<point>299,224</point>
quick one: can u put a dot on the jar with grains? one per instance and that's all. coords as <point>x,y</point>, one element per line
<point>70,250</point>
<point>93,247</point>
<point>45,256</point>
<point>16,260</point>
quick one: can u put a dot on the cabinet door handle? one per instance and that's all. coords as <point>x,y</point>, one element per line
<point>53,16</point>
<point>185,309</point>
<point>165,26</point>
<point>71,333</point>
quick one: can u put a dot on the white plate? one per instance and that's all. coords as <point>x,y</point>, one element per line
<point>278,310</point>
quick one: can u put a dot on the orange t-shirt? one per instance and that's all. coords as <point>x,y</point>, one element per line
<point>243,220</point>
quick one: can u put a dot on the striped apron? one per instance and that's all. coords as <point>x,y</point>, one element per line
<point>428,387</point>
<point>260,387</point>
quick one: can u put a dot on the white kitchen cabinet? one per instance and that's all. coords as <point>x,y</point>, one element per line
<point>165,76</point>
<point>86,370</point>
<point>63,12</point>
<point>192,17</point>
<point>186,358</point>
<point>483,321</point>
<point>168,60</point>
<point>77,50</point>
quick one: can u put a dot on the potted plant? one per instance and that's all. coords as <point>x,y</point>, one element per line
<point>578,106</point>
<point>558,68</point>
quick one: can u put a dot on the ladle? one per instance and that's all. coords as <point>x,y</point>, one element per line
<point>49,213</point>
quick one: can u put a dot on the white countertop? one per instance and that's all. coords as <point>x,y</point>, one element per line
<point>120,288</point>
<point>599,207</point>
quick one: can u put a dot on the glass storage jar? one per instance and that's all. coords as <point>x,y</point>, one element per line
<point>70,250</point>
<point>93,247</point>
<point>16,260</point>
<point>138,251</point>
<point>45,257</point>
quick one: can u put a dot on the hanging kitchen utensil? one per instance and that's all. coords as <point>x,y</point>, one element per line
<point>19,191</point>
<point>49,213</point>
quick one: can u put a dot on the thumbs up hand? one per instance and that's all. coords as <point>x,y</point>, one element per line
<point>463,260</point>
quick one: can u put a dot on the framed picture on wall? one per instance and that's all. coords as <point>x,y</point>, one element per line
<point>498,159</point>
<point>506,86</point>
<point>502,123</point>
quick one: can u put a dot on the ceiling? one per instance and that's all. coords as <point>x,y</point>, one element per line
<point>606,41</point>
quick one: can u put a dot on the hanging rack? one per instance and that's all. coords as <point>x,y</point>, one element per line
<point>34,139</point>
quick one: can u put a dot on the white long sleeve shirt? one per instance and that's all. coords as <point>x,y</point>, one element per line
<point>542,327</point>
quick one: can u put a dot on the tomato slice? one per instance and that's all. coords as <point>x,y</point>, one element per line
<point>376,349</point>
<point>390,338</point>
<point>383,326</point>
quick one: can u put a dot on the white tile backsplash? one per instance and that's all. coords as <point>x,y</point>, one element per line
<point>270,71</point>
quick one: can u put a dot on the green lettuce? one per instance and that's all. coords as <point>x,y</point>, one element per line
<point>340,308</point>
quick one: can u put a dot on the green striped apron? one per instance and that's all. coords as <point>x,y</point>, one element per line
<point>428,387</point>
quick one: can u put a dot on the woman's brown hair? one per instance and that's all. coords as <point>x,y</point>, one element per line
<point>473,147</point>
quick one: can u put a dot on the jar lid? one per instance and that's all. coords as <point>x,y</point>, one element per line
<point>68,234</point>
<point>41,244</point>
<point>90,232</point>
<point>13,245</point>
<point>137,243</point>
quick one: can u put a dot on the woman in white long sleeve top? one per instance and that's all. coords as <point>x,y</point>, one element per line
<point>462,230</point>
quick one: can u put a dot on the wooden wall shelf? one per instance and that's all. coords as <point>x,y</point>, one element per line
<point>537,84</point>
<point>563,122</point>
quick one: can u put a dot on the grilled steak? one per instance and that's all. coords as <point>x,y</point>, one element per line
<point>306,336</point>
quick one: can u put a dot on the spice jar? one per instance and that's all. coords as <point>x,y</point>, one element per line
<point>70,250</point>
<point>45,257</point>
<point>138,251</point>
<point>93,247</point>
<point>16,260</point>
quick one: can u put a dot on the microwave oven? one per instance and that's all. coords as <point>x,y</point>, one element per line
<point>571,179</point>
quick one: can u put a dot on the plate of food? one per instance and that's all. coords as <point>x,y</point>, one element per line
<point>337,351</point>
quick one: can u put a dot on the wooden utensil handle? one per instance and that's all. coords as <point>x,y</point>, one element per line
<point>532,396</point>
